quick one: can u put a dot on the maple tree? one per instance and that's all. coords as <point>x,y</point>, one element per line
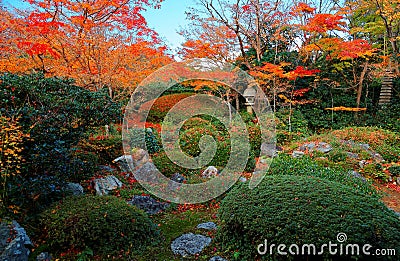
<point>378,20</point>
<point>255,24</point>
<point>341,54</point>
<point>103,43</point>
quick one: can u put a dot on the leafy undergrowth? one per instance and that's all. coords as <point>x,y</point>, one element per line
<point>384,142</point>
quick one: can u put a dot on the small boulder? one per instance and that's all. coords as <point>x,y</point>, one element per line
<point>211,171</point>
<point>148,172</point>
<point>307,146</point>
<point>148,204</point>
<point>355,174</point>
<point>176,182</point>
<point>398,181</point>
<point>189,244</point>
<point>44,256</point>
<point>362,163</point>
<point>352,155</point>
<point>207,226</point>
<point>242,179</point>
<point>74,189</point>
<point>106,168</point>
<point>324,147</point>
<point>123,162</point>
<point>297,154</point>
<point>364,146</point>
<point>178,178</point>
<point>103,186</point>
<point>378,157</point>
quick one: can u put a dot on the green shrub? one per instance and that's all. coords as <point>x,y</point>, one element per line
<point>165,165</point>
<point>107,225</point>
<point>305,166</point>
<point>395,170</point>
<point>375,171</point>
<point>106,148</point>
<point>294,129</point>
<point>189,142</point>
<point>84,165</point>
<point>337,155</point>
<point>56,114</point>
<point>151,136</point>
<point>303,210</point>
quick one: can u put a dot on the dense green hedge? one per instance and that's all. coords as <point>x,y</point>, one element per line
<point>303,210</point>
<point>305,166</point>
<point>106,225</point>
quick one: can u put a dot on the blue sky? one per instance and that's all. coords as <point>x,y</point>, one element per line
<point>166,21</point>
<point>169,19</point>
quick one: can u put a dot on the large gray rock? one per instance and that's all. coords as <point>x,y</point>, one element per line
<point>189,244</point>
<point>74,189</point>
<point>103,186</point>
<point>398,181</point>
<point>148,204</point>
<point>210,171</point>
<point>207,226</point>
<point>14,242</point>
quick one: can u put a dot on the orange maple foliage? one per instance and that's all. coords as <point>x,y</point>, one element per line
<point>214,43</point>
<point>337,48</point>
<point>102,43</point>
<point>321,23</point>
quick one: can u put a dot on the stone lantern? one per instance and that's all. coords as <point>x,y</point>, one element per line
<point>250,95</point>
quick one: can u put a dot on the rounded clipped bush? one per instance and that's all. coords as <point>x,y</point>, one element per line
<point>303,210</point>
<point>306,166</point>
<point>107,225</point>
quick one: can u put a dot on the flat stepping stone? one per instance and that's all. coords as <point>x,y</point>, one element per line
<point>189,244</point>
